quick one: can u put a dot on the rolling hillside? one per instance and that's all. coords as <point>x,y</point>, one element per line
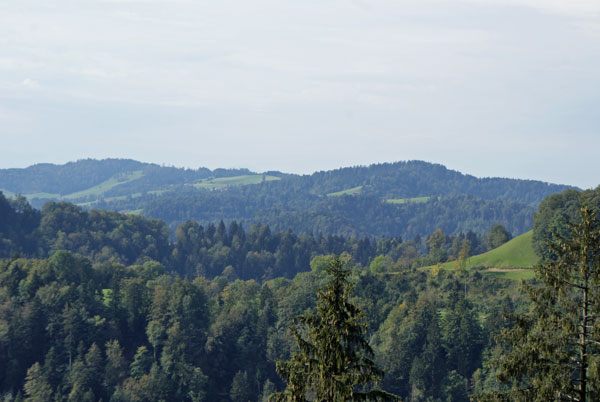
<point>90,182</point>
<point>390,199</point>
<point>514,259</point>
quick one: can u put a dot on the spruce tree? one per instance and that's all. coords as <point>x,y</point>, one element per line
<point>334,361</point>
<point>240,390</point>
<point>36,386</point>
<point>116,366</point>
<point>555,353</point>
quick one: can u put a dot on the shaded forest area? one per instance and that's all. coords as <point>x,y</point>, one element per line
<point>116,321</point>
<point>214,250</point>
<point>78,331</point>
<point>402,199</point>
<point>135,317</point>
<point>453,202</point>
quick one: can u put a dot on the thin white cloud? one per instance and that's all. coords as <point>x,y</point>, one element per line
<point>576,8</point>
<point>393,79</point>
<point>30,84</point>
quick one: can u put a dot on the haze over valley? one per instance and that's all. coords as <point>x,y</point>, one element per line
<point>283,201</point>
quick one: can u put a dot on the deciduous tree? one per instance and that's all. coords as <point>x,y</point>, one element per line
<point>496,236</point>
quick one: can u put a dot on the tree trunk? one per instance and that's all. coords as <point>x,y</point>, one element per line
<point>583,338</point>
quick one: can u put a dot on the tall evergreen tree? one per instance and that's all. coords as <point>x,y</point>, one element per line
<point>555,347</point>
<point>240,388</point>
<point>334,361</point>
<point>116,366</point>
<point>428,368</point>
<point>36,386</point>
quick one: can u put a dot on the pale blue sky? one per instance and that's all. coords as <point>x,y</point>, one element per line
<point>489,87</point>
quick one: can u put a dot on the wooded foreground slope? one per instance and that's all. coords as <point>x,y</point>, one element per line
<point>135,317</point>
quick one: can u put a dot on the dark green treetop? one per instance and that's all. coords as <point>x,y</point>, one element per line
<point>334,361</point>
<point>555,352</point>
<point>496,236</point>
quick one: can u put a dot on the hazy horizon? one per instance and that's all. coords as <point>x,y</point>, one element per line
<point>308,172</point>
<point>491,88</point>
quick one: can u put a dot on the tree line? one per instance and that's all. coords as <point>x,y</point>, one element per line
<point>88,328</point>
<point>212,250</point>
<point>71,330</point>
<point>455,202</point>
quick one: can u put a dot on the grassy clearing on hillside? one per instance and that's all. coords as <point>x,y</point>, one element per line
<point>96,190</point>
<point>109,199</point>
<point>517,253</point>
<point>221,182</point>
<point>120,198</point>
<point>41,196</point>
<point>106,185</point>
<point>350,191</point>
<point>407,200</point>
<point>512,260</point>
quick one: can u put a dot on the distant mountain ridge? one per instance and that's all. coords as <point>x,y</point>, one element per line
<point>385,179</point>
<point>418,178</point>
<point>379,199</point>
<point>64,179</point>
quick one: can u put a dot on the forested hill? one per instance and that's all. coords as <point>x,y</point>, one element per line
<point>391,199</point>
<point>100,305</point>
<point>215,250</point>
<point>414,179</point>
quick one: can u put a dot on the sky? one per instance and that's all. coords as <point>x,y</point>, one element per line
<point>507,88</point>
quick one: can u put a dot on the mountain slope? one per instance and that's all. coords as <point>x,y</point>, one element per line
<point>516,253</point>
<point>361,200</point>
<point>513,260</point>
<point>64,179</point>
<point>411,179</point>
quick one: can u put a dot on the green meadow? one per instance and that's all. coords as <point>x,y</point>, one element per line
<point>96,190</point>
<point>516,253</point>
<point>103,187</point>
<point>350,191</point>
<point>512,260</point>
<point>222,182</point>
<point>100,189</point>
<point>41,195</point>
<point>407,200</point>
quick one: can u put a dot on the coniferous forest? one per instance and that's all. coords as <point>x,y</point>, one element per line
<point>402,199</point>
<point>299,201</point>
<point>103,305</point>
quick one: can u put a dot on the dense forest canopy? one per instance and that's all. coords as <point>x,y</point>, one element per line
<point>212,250</point>
<point>106,305</point>
<point>556,212</point>
<point>387,180</point>
<point>348,215</point>
<point>78,331</point>
<point>402,199</point>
